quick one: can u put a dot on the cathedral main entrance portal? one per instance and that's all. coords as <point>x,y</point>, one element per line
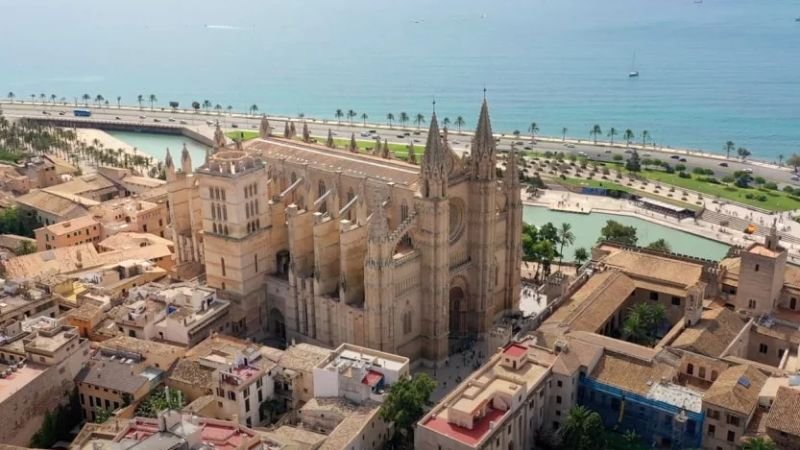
<point>459,335</point>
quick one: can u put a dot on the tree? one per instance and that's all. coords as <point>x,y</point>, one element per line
<point>743,153</point>
<point>617,232</point>
<point>446,122</point>
<point>11,96</point>
<point>459,123</point>
<point>642,323</point>
<point>516,133</point>
<point>86,98</point>
<point>15,221</point>
<point>390,119</point>
<point>628,135</point>
<point>140,99</point>
<point>660,245</point>
<point>729,146</point>
<point>759,443</point>
<point>119,101</point>
<point>253,108</point>
<point>364,118</point>
<point>152,100</point>
<point>633,164</point>
<point>533,128</point>
<point>25,248</point>
<point>583,430</point>
<point>339,114</point>
<point>229,108</point>
<point>794,161</point>
<point>403,118</point>
<point>406,404</point>
<point>350,115</point>
<point>218,109</point>
<point>159,400</point>
<point>196,106</point>
<point>595,131</point>
<point>539,246</point>
<point>645,137</point>
<point>174,105</point>
<point>611,133</point>
<point>780,159</point>
<point>564,134</point>
<point>206,104</point>
<point>581,256</point>
<point>418,119</point>
<point>53,98</point>
<point>565,237</point>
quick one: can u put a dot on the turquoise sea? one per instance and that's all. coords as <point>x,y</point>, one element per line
<point>710,71</point>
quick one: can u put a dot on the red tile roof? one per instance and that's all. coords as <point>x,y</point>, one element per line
<point>372,378</point>
<point>515,350</point>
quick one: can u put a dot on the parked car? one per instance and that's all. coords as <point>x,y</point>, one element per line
<point>675,157</point>
<point>569,145</point>
<point>182,122</point>
<point>171,119</point>
<point>117,118</point>
<point>156,120</point>
<point>233,125</point>
<point>682,160</point>
<point>143,117</point>
<point>723,164</point>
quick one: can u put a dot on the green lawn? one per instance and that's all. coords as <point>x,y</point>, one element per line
<point>245,135</point>
<point>580,182</point>
<point>776,200</point>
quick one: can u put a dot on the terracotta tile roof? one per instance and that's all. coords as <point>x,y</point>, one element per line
<point>354,164</point>
<point>591,306</point>
<point>51,262</point>
<point>129,240</point>
<point>71,225</point>
<point>647,266</point>
<point>784,414</point>
<point>191,372</point>
<point>80,185</point>
<point>737,389</point>
<point>631,374</point>
<point>51,204</point>
<point>712,335</point>
<point>303,357</point>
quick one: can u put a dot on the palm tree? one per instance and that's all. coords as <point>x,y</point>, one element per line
<point>350,115</point>
<point>390,118</point>
<point>583,430</point>
<point>446,121</point>
<point>628,136</point>
<point>403,118</point>
<point>645,137</point>
<point>119,101</point>
<point>611,133</point>
<point>98,99</point>
<point>564,134</point>
<point>42,97</point>
<point>581,256</point>
<point>206,104</point>
<point>339,114</point>
<point>140,99</point>
<point>595,131</point>
<point>253,108</point>
<point>759,443</point>
<point>460,123</point>
<point>565,236</point>
<point>218,108</point>
<point>152,99</point>
<point>364,118</point>
<point>729,146</point>
<point>533,128</point>
<point>86,98</point>
<point>419,119</point>
<point>229,108</point>
<point>53,98</point>
<point>780,159</point>
<point>11,97</point>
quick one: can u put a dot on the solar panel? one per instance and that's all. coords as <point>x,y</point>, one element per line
<point>744,381</point>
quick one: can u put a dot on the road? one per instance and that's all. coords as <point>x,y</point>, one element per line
<point>204,122</point>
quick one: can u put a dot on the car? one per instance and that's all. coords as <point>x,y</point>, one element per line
<point>143,117</point>
<point>795,178</point>
<point>582,154</point>
<point>456,142</point>
<point>117,118</point>
<point>156,120</point>
<point>607,151</point>
<point>45,113</point>
<point>61,113</point>
<point>682,160</point>
<point>417,133</point>
<point>171,119</point>
<point>519,143</point>
<point>528,147</point>
<point>569,145</point>
<point>723,164</point>
<point>628,151</point>
<point>182,122</point>
<point>675,157</point>
<point>407,133</point>
<point>747,170</point>
<point>646,155</point>
<point>401,136</point>
<point>372,131</point>
<point>233,125</point>
<point>417,140</point>
<point>364,134</point>
<point>209,122</point>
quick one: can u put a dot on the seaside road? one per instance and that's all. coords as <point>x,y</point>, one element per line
<point>397,134</point>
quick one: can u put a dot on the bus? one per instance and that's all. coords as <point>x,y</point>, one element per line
<point>82,113</point>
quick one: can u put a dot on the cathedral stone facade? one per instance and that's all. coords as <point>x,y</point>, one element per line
<point>330,246</point>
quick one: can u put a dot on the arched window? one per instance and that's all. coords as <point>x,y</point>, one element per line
<point>690,369</point>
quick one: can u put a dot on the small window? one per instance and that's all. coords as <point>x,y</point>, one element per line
<point>711,430</point>
<point>676,301</point>
<point>756,269</point>
<point>653,295</point>
<point>751,304</point>
<point>558,399</point>
<point>690,369</point>
<point>731,436</point>
<point>702,372</point>
<point>763,348</point>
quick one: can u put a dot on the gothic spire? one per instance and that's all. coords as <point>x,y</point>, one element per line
<point>263,129</point>
<point>434,172</point>
<point>330,142</point>
<point>306,133</point>
<point>353,145</point>
<point>484,153</point>
<point>287,133</point>
<point>412,153</point>
<point>186,159</point>
<point>168,160</point>
<point>512,169</point>
<point>219,137</point>
<point>385,152</point>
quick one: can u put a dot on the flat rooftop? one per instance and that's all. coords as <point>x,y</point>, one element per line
<point>390,364</point>
<point>16,381</point>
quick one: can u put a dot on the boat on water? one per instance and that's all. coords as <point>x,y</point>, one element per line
<point>633,72</point>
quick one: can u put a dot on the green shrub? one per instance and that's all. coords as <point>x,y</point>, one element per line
<point>761,197</point>
<point>728,179</point>
<point>684,175</point>
<point>749,196</point>
<point>788,189</point>
<point>771,185</point>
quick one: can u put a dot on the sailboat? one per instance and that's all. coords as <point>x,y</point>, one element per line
<point>633,73</point>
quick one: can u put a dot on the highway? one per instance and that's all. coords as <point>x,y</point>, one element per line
<point>204,122</point>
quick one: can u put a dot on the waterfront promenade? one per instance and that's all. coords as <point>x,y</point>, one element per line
<point>203,122</point>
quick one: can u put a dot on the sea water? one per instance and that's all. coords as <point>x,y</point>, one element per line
<point>709,72</point>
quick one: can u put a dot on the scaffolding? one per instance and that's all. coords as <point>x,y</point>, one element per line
<point>658,424</point>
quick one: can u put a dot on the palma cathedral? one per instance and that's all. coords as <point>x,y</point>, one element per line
<point>324,245</point>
